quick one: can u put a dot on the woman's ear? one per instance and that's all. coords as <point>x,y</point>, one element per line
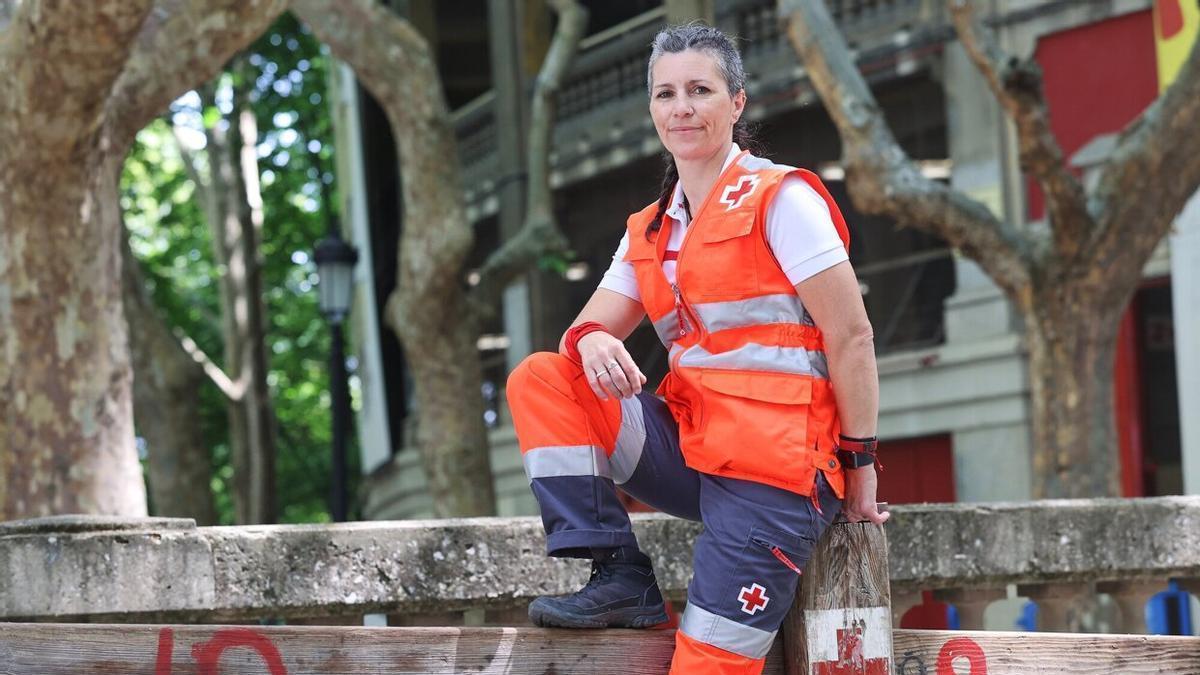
<point>739,104</point>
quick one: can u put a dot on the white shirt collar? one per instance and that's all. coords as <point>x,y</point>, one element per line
<point>675,210</point>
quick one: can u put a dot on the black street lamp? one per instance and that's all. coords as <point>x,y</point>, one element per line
<point>335,271</point>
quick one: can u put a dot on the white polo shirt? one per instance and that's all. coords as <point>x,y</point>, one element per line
<point>800,232</point>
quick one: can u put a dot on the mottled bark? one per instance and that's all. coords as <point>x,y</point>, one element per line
<point>1071,285</point>
<point>182,44</point>
<point>79,80</point>
<point>66,433</point>
<point>1072,340</point>
<point>166,403</point>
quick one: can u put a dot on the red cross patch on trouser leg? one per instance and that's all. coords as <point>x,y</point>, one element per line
<point>754,599</point>
<point>742,582</point>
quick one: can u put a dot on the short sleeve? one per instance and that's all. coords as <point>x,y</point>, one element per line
<point>801,233</point>
<point>620,276</point>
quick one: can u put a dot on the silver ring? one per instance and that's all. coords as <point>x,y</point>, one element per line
<point>611,365</point>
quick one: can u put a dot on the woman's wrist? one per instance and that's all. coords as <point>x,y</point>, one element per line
<point>575,334</point>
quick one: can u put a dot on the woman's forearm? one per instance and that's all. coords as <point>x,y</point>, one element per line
<point>855,382</point>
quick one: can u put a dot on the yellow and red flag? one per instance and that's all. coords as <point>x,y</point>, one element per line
<point>1176,23</point>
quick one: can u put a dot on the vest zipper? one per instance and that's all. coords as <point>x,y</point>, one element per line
<point>680,313</point>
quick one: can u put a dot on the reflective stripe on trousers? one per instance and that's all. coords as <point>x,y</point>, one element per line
<point>577,449</point>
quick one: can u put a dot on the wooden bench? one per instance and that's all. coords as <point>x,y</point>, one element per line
<point>840,624</point>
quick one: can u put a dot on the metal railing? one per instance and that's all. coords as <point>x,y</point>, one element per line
<point>602,104</point>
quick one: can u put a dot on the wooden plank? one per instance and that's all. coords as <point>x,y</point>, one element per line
<point>841,620</point>
<point>106,649</point>
<point>948,652</point>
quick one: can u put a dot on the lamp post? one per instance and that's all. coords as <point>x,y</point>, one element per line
<point>335,271</point>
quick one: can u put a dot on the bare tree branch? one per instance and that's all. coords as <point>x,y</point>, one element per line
<point>1152,173</point>
<point>883,178</point>
<point>1017,85</point>
<point>540,233</point>
<point>182,44</point>
<point>234,391</point>
<point>79,47</point>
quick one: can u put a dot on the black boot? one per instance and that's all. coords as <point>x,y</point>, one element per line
<point>622,593</point>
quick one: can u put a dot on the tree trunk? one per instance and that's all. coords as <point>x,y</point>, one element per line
<point>166,405</point>
<point>428,310</point>
<point>233,207</point>
<point>79,80</point>
<point>66,435</point>
<point>1072,353</point>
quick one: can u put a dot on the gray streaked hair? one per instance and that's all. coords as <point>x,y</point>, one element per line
<point>701,37</point>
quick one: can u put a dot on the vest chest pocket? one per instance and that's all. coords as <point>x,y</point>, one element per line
<point>756,422</point>
<point>725,260</point>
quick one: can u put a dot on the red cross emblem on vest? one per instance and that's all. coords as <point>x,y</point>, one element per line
<point>754,599</point>
<point>734,194</point>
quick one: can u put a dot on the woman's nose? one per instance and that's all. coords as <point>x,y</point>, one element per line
<point>683,108</point>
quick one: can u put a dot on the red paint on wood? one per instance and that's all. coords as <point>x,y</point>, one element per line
<point>961,647</point>
<point>208,654</point>
<point>166,645</point>
<point>850,657</point>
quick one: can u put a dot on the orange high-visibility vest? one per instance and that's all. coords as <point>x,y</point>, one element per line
<point>748,381</point>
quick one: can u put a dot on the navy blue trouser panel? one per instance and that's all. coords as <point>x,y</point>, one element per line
<point>754,534</point>
<point>582,512</point>
<point>662,479</point>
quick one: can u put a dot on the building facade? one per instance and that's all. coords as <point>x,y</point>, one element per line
<point>954,394</point>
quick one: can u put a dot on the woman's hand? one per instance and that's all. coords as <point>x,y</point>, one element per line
<point>609,368</point>
<point>859,504</point>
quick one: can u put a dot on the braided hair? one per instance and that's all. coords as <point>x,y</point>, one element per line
<point>718,45</point>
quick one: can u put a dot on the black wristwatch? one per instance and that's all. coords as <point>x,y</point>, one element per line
<point>855,453</point>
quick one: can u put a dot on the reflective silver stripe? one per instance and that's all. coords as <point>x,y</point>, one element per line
<point>778,308</point>
<point>566,460</point>
<point>751,163</point>
<point>752,356</point>
<point>667,328</point>
<point>631,439</point>
<point>704,626</point>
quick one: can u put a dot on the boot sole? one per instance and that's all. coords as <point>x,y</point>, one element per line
<point>630,617</point>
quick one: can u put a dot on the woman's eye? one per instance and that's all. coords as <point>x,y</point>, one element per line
<point>700,90</point>
<point>663,94</point>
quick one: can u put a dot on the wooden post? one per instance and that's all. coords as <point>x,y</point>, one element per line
<point>841,619</point>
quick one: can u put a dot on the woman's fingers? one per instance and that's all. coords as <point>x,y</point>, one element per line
<point>594,378</point>
<point>633,375</point>
<point>609,368</point>
<point>620,380</point>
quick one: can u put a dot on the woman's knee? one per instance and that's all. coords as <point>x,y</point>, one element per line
<point>539,369</point>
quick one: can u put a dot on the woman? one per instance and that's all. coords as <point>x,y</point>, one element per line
<point>767,422</point>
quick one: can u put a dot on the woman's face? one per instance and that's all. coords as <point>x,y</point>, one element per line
<point>691,106</point>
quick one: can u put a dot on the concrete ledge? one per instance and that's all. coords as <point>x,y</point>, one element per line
<point>237,573</point>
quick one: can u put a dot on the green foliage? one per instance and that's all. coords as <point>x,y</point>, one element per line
<point>284,74</point>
